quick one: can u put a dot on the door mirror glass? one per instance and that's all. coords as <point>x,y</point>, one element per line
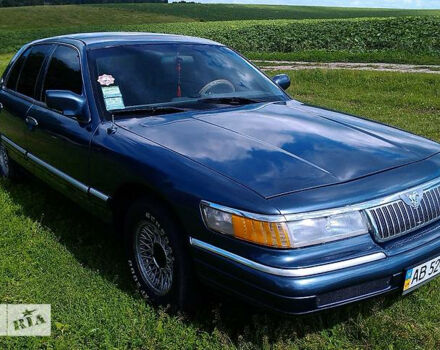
<point>68,103</point>
<point>282,80</point>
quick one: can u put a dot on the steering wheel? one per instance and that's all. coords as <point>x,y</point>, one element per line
<point>205,90</point>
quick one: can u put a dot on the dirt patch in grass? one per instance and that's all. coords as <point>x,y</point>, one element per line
<point>383,67</point>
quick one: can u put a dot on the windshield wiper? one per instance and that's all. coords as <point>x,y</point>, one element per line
<point>150,110</point>
<point>228,100</point>
<point>168,109</point>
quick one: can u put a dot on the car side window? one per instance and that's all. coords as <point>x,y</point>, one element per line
<point>64,72</point>
<point>31,70</point>
<point>14,74</point>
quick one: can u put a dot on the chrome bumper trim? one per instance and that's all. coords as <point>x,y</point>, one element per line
<point>299,272</point>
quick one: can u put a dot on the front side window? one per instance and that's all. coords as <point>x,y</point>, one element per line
<point>64,71</point>
<point>31,69</point>
<point>16,69</point>
<point>135,76</point>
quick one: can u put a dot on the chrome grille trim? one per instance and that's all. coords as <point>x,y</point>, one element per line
<point>359,206</point>
<point>396,218</point>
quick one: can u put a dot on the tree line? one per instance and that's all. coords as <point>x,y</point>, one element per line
<point>10,3</point>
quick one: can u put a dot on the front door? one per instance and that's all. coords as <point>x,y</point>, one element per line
<point>57,144</point>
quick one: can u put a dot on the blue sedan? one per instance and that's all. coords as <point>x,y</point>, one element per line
<point>212,173</point>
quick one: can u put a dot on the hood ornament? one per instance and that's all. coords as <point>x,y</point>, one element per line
<point>413,198</point>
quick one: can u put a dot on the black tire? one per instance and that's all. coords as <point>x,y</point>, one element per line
<point>144,219</point>
<point>8,168</point>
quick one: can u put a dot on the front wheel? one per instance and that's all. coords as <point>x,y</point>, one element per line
<point>157,256</point>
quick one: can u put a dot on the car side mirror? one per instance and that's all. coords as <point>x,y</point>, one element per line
<point>282,80</point>
<point>68,103</point>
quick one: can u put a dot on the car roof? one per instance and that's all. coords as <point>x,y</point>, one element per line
<point>120,38</point>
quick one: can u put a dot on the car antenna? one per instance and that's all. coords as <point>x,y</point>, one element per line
<point>112,129</point>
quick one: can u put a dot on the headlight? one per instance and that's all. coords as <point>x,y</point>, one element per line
<point>279,233</point>
<point>331,228</point>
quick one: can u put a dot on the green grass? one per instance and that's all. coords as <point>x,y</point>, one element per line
<point>53,252</point>
<point>231,12</point>
<point>405,39</point>
<point>408,101</point>
<point>4,60</point>
<point>306,33</point>
<point>30,17</point>
<point>114,14</point>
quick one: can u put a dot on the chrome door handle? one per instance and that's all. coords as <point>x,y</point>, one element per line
<point>31,122</point>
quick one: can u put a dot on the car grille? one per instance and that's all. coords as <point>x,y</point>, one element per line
<point>352,292</point>
<point>398,218</point>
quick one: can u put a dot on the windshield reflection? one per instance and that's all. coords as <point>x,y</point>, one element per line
<point>151,78</point>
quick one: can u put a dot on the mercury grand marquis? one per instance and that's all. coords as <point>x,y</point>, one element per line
<point>212,173</point>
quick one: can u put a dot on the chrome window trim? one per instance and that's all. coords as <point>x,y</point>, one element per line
<point>79,185</point>
<point>49,60</point>
<point>17,93</point>
<point>297,272</point>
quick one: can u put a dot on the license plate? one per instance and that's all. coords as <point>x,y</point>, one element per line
<point>418,275</point>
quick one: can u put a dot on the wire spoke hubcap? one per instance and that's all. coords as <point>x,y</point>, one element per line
<point>154,256</point>
<point>4,161</point>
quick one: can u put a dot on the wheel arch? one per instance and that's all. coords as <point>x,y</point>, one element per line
<point>130,192</point>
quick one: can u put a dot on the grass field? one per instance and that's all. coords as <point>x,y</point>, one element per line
<point>4,60</point>
<point>231,12</point>
<point>408,39</point>
<point>74,15</point>
<point>111,14</point>
<point>53,252</point>
<point>278,32</point>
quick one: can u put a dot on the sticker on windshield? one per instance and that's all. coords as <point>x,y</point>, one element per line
<point>113,103</point>
<point>111,91</point>
<point>112,97</point>
<point>106,80</point>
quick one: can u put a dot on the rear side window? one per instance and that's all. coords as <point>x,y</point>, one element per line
<point>15,71</point>
<point>32,66</point>
<point>64,72</point>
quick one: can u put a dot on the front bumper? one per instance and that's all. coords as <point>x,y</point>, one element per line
<point>299,291</point>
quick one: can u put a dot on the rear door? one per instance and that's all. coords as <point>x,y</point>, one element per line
<point>58,144</point>
<point>17,95</point>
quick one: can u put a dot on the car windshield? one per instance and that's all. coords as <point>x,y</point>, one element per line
<point>170,78</point>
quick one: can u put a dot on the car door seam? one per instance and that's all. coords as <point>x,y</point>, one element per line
<point>81,186</point>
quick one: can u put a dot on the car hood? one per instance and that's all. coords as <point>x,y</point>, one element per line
<point>280,148</point>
